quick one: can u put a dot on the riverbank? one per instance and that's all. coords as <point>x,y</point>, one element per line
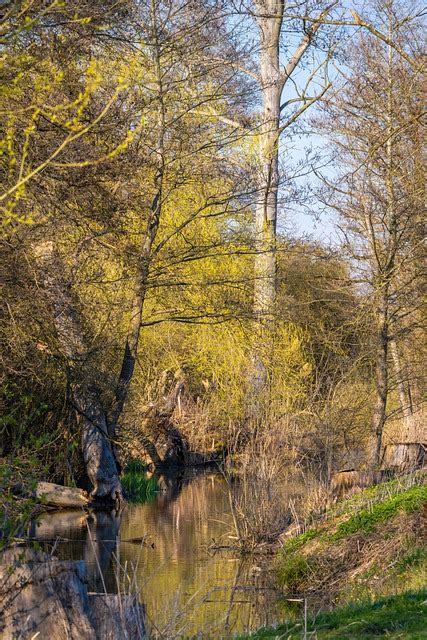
<point>400,616</point>
<point>365,558</point>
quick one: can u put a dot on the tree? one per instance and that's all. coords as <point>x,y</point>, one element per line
<point>36,100</point>
<point>283,101</point>
<point>370,122</point>
<point>117,220</point>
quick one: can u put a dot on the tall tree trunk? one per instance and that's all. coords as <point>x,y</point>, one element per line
<point>141,279</point>
<point>269,24</point>
<point>84,396</point>
<point>403,390</point>
<point>272,78</point>
<point>381,374</point>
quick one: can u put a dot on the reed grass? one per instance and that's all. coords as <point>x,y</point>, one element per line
<point>137,486</point>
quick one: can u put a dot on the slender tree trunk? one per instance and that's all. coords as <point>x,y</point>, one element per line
<point>141,280</point>
<point>268,176</point>
<point>381,374</point>
<point>402,388</point>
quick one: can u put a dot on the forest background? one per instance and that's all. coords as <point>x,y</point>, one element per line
<point>153,302</point>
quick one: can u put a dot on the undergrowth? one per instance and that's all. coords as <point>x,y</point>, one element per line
<point>137,486</point>
<point>361,541</point>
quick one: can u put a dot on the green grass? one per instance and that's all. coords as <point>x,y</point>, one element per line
<point>295,571</point>
<point>302,566</point>
<point>136,485</point>
<point>366,520</point>
<point>401,616</point>
<point>293,544</point>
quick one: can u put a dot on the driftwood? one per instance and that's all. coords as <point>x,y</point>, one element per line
<point>404,456</point>
<point>55,495</point>
<point>59,496</point>
<point>42,595</point>
<point>162,441</point>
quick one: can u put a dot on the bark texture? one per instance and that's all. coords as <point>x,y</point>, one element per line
<point>42,595</point>
<point>381,374</point>
<point>84,396</point>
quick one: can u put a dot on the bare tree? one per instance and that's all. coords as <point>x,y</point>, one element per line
<point>370,122</point>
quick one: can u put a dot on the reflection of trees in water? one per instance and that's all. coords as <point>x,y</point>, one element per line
<point>101,543</point>
<point>88,536</point>
<point>182,524</point>
<point>178,575</point>
<point>181,516</point>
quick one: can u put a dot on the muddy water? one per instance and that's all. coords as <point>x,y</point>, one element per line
<point>165,551</point>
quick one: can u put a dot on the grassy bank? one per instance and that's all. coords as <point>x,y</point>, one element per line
<point>362,547</point>
<point>366,557</point>
<point>400,616</point>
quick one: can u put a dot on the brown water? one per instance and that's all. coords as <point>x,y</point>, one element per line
<point>188,588</point>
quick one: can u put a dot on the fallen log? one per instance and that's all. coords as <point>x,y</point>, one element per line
<point>55,495</point>
<point>59,496</point>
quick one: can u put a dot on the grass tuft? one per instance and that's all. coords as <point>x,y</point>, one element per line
<point>366,520</point>
<point>136,485</point>
<point>295,571</point>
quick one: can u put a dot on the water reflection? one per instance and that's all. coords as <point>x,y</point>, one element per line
<point>165,548</point>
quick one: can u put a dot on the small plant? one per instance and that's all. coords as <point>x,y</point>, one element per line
<point>294,571</point>
<point>137,486</point>
<point>299,541</point>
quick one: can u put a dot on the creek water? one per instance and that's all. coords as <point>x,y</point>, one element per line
<point>167,551</point>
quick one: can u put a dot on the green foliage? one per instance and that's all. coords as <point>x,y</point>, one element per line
<point>24,409</point>
<point>366,520</point>
<point>296,543</point>
<point>15,513</point>
<point>400,616</point>
<point>136,485</point>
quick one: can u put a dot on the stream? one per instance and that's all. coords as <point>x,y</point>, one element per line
<point>163,550</point>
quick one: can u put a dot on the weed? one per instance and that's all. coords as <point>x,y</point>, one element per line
<point>296,543</point>
<point>294,571</point>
